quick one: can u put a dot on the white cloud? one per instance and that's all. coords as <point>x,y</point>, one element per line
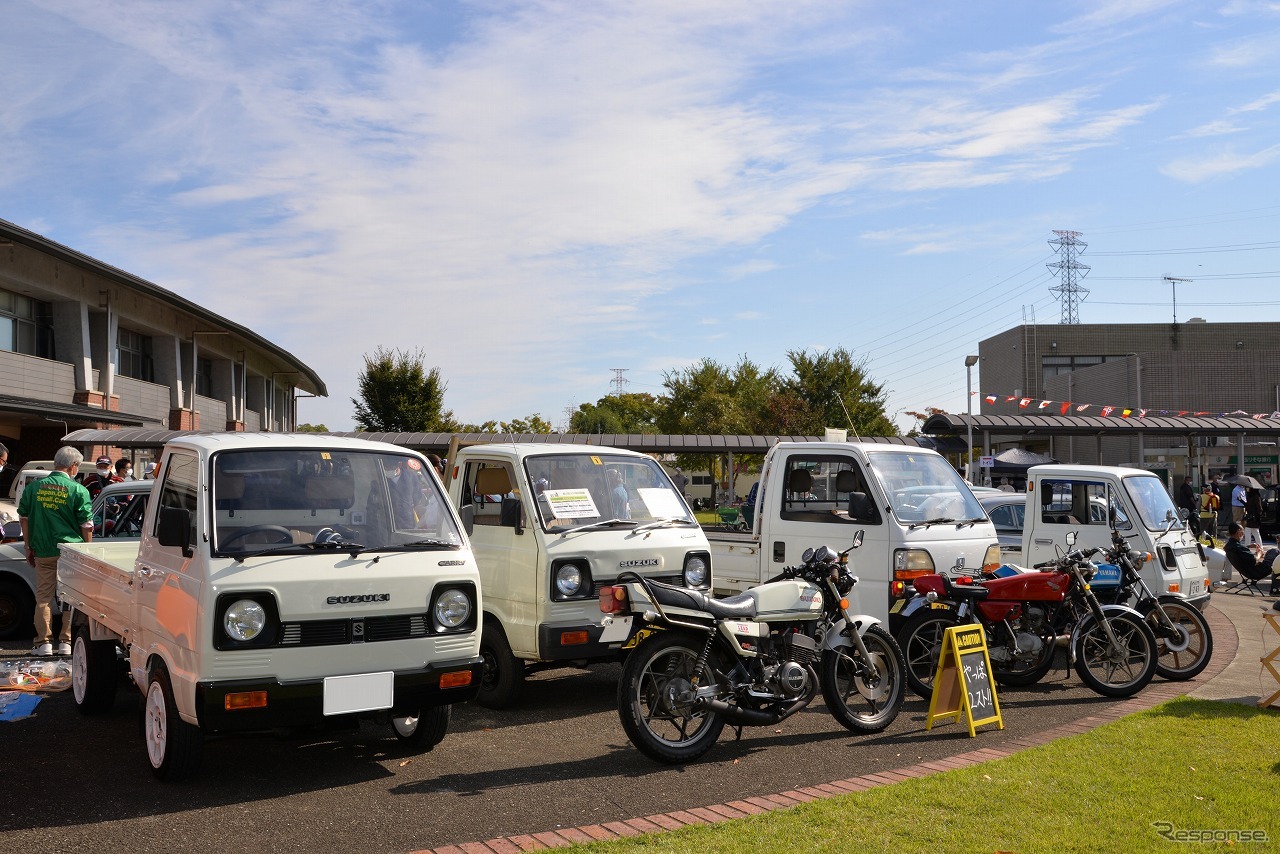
<point>1219,127</point>
<point>1196,169</point>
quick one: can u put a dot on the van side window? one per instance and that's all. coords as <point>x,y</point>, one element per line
<point>828,488</point>
<point>1078,502</point>
<point>485,484</point>
<point>179,481</point>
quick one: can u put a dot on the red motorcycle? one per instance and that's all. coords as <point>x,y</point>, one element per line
<point>1113,648</point>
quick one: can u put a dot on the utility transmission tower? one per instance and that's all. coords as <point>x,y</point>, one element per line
<point>1070,292</point>
<point>1173,280</point>
<point>619,382</point>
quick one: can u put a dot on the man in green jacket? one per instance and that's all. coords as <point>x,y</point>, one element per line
<point>54,510</point>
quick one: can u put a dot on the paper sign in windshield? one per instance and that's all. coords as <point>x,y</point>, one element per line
<point>661,503</point>
<point>570,503</point>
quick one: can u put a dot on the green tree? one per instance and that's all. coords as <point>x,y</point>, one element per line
<point>530,424</point>
<point>712,398</point>
<point>399,395</point>
<point>827,380</point>
<point>312,428</point>
<point>618,413</point>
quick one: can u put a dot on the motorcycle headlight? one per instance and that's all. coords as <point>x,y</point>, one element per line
<point>697,570</point>
<point>452,608</point>
<point>569,578</point>
<point>244,620</point>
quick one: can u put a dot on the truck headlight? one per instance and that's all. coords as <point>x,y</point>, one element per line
<point>452,608</point>
<point>697,570</point>
<point>569,579</point>
<point>244,620</point>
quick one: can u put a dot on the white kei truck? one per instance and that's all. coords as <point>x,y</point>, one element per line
<point>281,581</point>
<point>1089,500</point>
<point>917,514</point>
<point>552,524</point>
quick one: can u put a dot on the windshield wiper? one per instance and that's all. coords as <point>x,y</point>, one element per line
<point>426,544</point>
<point>294,548</point>
<point>662,523</point>
<point>930,523</point>
<point>604,523</point>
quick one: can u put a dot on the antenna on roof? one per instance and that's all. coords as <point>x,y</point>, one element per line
<point>848,417</point>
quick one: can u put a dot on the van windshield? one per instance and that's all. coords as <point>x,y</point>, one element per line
<point>579,490</point>
<point>924,488</point>
<point>316,498</point>
<point>1152,500</point>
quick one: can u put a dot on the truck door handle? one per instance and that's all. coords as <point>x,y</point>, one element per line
<point>148,572</point>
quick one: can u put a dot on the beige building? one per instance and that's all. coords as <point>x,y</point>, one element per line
<point>84,345</point>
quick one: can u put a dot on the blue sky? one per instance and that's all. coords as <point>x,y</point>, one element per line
<point>536,193</point>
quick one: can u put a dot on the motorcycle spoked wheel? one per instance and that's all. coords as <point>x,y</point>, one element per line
<point>1120,672</point>
<point>920,640</point>
<point>655,699</point>
<point>1184,656</point>
<point>864,698</point>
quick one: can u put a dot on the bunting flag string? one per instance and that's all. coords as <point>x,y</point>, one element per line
<point>1066,406</point>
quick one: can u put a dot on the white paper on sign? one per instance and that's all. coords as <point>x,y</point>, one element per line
<point>661,503</point>
<point>570,503</point>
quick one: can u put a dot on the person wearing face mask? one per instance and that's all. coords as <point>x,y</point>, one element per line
<point>124,469</point>
<point>101,477</point>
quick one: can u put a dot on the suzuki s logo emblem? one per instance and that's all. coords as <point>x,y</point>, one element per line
<point>357,631</point>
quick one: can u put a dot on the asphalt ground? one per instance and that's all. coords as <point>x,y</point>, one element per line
<point>559,760</point>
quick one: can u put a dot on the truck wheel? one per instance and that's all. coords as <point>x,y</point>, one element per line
<point>174,746</point>
<point>503,674</point>
<point>424,731</point>
<point>16,608</point>
<point>93,673</point>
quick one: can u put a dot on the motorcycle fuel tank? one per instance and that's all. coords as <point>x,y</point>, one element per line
<point>791,599</point>
<point>1029,587</point>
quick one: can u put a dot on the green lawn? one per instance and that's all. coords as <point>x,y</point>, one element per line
<point>1196,765</point>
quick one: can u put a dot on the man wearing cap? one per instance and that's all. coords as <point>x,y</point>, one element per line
<point>101,477</point>
<point>53,510</point>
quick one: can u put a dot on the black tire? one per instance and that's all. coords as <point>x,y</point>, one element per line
<point>653,700</point>
<point>865,698</point>
<point>17,606</point>
<point>424,731</point>
<point>1188,654</point>
<point>1116,673</point>
<point>94,675</point>
<point>174,747</point>
<point>920,640</point>
<point>502,676</point>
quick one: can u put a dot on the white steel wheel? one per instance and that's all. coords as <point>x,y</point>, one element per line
<point>174,747</point>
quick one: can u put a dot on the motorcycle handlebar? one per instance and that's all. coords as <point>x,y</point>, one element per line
<point>1076,556</point>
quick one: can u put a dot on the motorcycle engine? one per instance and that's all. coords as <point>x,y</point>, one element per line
<point>1027,642</point>
<point>788,675</point>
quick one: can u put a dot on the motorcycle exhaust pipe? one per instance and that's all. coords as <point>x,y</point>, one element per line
<point>752,717</point>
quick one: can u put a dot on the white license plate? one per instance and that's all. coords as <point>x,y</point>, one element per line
<point>363,692</point>
<point>617,631</point>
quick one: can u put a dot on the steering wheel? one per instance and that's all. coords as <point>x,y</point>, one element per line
<point>282,535</point>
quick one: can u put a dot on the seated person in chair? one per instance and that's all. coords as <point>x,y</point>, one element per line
<point>1250,560</point>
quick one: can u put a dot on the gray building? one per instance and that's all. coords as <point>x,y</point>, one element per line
<point>86,345</point>
<point>1167,369</point>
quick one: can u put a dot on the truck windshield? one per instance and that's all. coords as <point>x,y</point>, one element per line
<point>579,490</point>
<point>276,498</point>
<point>924,488</point>
<point>1152,501</point>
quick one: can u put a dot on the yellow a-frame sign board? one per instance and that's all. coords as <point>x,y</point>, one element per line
<point>962,684</point>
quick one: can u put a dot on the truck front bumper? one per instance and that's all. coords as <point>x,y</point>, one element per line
<point>301,702</point>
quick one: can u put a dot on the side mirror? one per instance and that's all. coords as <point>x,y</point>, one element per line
<point>468,514</point>
<point>1071,539</point>
<point>1184,513</point>
<point>857,539</point>
<point>174,529</point>
<point>509,514</point>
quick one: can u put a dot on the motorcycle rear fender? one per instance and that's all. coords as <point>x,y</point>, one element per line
<point>834,638</point>
<point>1106,609</point>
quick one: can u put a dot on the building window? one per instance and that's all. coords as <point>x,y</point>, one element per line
<point>204,377</point>
<point>26,325</point>
<point>133,356</point>
<point>1052,366</point>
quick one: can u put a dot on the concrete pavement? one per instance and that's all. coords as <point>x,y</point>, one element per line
<point>1244,679</point>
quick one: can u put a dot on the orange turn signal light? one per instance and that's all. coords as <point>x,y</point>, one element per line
<point>573,638</point>
<point>245,700</point>
<point>455,679</point>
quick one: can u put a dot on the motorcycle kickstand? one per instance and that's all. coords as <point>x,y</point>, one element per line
<point>738,737</point>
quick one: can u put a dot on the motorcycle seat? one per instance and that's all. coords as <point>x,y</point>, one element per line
<point>742,606</point>
<point>964,591</point>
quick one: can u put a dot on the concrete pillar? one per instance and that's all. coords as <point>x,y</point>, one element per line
<point>225,389</point>
<point>71,343</point>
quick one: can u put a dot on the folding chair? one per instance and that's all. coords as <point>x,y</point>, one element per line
<point>1250,576</point>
